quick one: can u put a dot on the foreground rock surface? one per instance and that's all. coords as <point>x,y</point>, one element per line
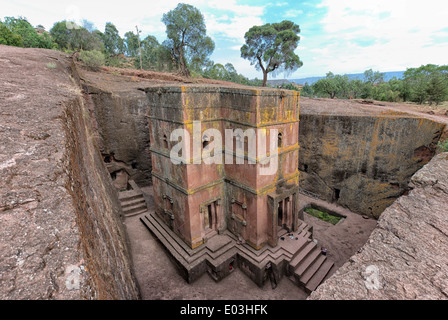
<point>406,256</point>
<point>60,236</point>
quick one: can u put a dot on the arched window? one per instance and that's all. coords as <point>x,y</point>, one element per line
<point>280,140</point>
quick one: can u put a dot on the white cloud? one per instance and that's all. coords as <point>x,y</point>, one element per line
<point>384,35</point>
<point>125,17</point>
<point>293,13</point>
<point>235,48</point>
<point>384,19</point>
<point>233,21</point>
<point>234,28</point>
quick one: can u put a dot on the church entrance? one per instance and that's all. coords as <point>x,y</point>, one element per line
<point>210,215</point>
<point>283,207</point>
<point>285,213</point>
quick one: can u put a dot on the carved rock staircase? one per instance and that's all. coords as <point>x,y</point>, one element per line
<point>308,267</point>
<point>132,201</point>
<point>305,265</point>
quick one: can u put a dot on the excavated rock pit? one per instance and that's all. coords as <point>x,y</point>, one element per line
<point>70,135</point>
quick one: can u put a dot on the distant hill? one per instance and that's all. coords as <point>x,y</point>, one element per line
<point>353,76</point>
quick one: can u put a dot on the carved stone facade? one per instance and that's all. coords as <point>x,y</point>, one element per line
<point>198,200</point>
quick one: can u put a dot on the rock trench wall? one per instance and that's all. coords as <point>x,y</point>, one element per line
<point>103,237</point>
<point>61,234</point>
<point>406,256</point>
<point>363,163</point>
<point>122,129</point>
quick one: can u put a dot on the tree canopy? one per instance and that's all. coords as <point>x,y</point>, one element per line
<point>427,83</point>
<point>271,48</point>
<point>113,43</point>
<point>333,85</point>
<point>187,48</point>
<point>131,42</point>
<point>69,38</point>
<point>18,31</point>
<point>185,28</point>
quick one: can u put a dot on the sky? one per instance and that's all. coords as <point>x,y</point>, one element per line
<point>341,36</point>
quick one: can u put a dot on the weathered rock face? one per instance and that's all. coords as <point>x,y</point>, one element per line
<point>103,236</point>
<point>123,129</point>
<point>406,256</point>
<point>61,236</point>
<point>363,161</point>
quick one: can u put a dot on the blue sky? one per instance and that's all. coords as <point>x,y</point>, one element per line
<point>342,36</point>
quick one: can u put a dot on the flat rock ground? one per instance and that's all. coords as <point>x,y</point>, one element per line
<point>159,279</point>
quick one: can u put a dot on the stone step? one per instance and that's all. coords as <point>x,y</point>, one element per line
<point>305,234</point>
<point>281,232</point>
<point>307,262</point>
<point>293,264</point>
<point>312,269</point>
<point>134,208</point>
<point>129,195</point>
<point>158,227</point>
<point>319,276</point>
<point>303,225</point>
<point>179,250</point>
<point>213,248</point>
<point>132,202</point>
<point>301,243</point>
<point>135,213</point>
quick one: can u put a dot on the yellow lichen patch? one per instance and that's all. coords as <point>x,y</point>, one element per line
<point>330,143</point>
<point>268,115</point>
<point>393,113</point>
<point>197,244</point>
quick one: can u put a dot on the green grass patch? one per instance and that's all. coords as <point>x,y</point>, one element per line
<point>443,145</point>
<point>325,216</point>
<point>51,65</point>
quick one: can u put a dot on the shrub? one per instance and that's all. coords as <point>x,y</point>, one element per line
<point>9,38</point>
<point>443,145</point>
<point>325,216</point>
<point>92,59</point>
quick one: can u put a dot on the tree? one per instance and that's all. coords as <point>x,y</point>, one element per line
<point>150,54</point>
<point>437,89</point>
<point>61,34</point>
<point>216,71</point>
<point>271,48</point>
<point>333,86</point>
<point>356,88</point>
<point>8,37</point>
<point>88,25</point>
<point>113,43</point>
<point>372,77</point>
<point>307,90</point>
<point>31,39</point>
<point>427,83</point>
<point>131,41</point>
<point>185,28</point>
<point>76,38</point>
